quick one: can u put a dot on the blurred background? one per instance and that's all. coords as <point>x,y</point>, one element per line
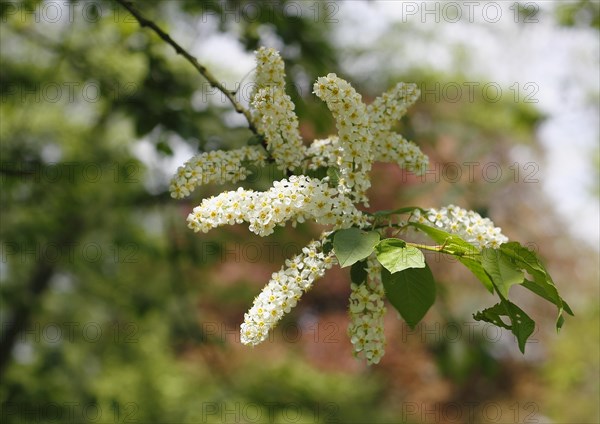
<point>112,311</point>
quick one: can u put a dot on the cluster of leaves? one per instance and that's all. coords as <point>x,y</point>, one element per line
<point>410,286</point>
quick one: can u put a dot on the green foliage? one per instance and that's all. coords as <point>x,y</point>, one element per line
<point>352,245</point>
<point>465,252</point>
<point>410,286</point>
<point>450,243</point>
<point>521,325</point>
<point>396,256</point>
<point>524,259</point>
<point>411,292</point>
<point>474,265</point>
<point>500,269</point>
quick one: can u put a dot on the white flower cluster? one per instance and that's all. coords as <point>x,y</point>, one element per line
<point>405,153</point>
<point>273,111</point>
<point>297,199</point>
<point>389,146</point>
<point>276,120</point>
<point>283,291</point>
<point>322,153</point>
<point>396,149</point>
<point>392,105</point>
<point>366,315</point>
<point>364,135</point>
<point>352,121</point>
<point>270,69</point>
<point>469,225</point>
<point>215,167</point>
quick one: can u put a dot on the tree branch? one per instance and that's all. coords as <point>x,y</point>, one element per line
<point>199,67</point>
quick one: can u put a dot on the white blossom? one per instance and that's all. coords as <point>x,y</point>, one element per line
<point>389,146</point>
<point>355,156</point>
<point>394,148</point>
<point>388,108</point>
<point>283,291</point>
<point>469,225</point>
<point>322,153</point>
<point>367,310</point>
<point>276,120</point>
<point>216,167</point>
<point>270,69</point>
<point>298,199</point>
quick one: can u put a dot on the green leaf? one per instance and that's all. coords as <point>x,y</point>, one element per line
<point>396,256</point>
<point>466,253</point>
<point>535,288</point>
<point>521,325</point>
<point>503,272</point>
<point>560,322</point>
<point>539,290</point>
<point>473,263</point>
<point>352,245</point>
<point>358,272</point>
<point>522,255</point>
<point>453,244</point>
<point>542,283</point>
<point>529,261</point>
<point>411,292</point>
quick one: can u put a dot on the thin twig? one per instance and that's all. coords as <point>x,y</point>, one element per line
<point>199,67</point>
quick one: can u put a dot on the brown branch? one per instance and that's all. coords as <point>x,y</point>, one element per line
<point>199,67</point>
